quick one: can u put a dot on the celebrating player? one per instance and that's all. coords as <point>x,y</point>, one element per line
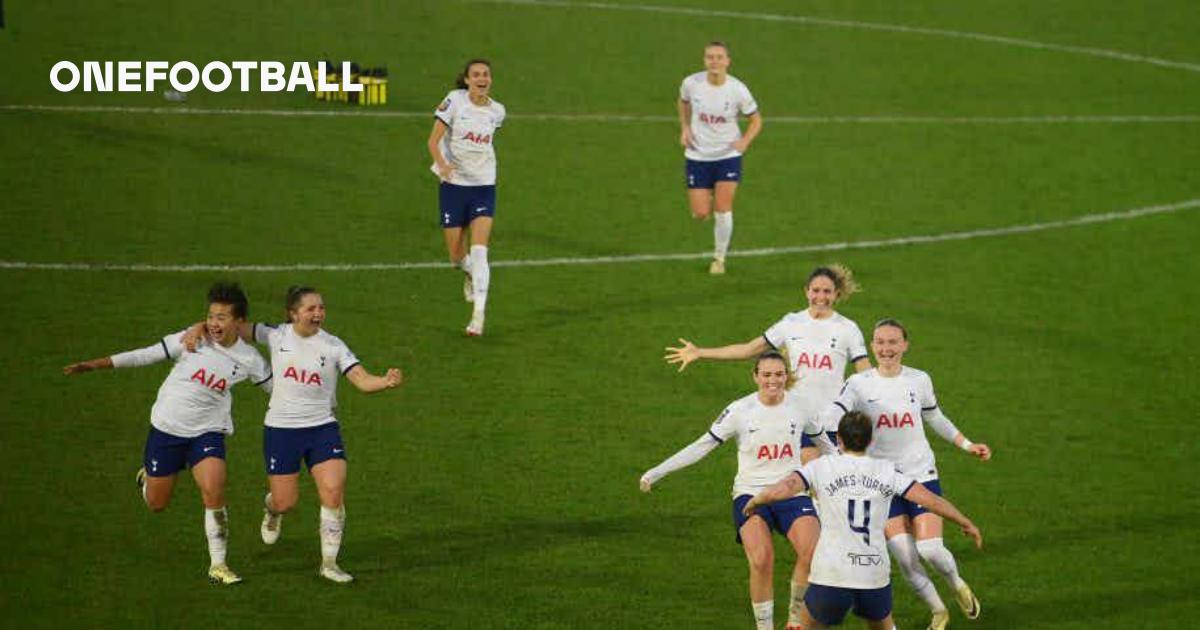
<point>300,423</point>
<point>901,402</point>
<point>850,568</point>
<point>767,426</point>
<point>709,105</point>
<point>818,341</point>
<point>191,416</point>
<point>465,162</point>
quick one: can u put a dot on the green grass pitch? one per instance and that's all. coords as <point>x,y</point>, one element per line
<point>498,487</point>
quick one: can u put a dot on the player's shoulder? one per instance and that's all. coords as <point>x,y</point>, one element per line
<point>244,351</point>
<point>498,107</point>
<point>742,405</point>
<point>915,374</point>
<point>330,339</point>
<point>697,78</point>
<point>843,321</point>
<point>735,82</point>
<point>454,98</point>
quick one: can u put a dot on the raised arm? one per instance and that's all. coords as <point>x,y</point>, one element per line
<point>370,383</point>
<point>445,169</point>
<point>688,352</point>
<point>785,488</point>
<point>686,456</point>
<point>921,495</point>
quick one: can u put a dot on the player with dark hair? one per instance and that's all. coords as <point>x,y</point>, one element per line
<point>191,416</point>
<point>850,569</point>
<point>464,160</point>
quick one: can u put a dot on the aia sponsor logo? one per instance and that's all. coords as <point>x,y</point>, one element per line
<point>712,119</point>
<point>895,421</point>
<point>775,451</point>
<point>304,377</point>
<point>478,138</point>
<point>814,361</point>
<point>210,380</point>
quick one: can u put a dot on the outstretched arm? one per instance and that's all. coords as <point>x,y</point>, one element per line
<point>103,363</point>
<point>785,488</point>
<point>921,495</point>
<point>688,352</point>
<point>686,456</point>
<point>133,358</point>
<point>370,383</point>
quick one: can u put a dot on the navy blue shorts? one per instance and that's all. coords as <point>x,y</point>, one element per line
<point>707,174</point>
<point>829,604</point>
<point>779,516</point>
<point>900,505</point>
<point>284,448</point>
<point>167,454</point>
<point>460,205</point>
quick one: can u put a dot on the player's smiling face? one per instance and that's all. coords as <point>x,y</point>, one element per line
<point>221,323</point>
<point>479,79</point>
<point>771,377</point>
<point>821,293</point>
<point>716,60</point>
<point>309,314</point>
<point>889,346</point>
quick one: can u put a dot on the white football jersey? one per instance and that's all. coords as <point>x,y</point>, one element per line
<point>468,141</point>
<point>715,110</point>
<point>894,405</point>
<point>194,398</point>
<point>768,438</point>
<point>306,371</point>
<point>818,351</point>
<point>855,494</point>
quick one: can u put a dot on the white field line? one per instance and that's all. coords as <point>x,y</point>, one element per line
<point>797,120</point>
<point>1106,217</point>
<point>868,26</point>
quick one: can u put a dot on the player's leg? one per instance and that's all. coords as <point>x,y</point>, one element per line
<point>327,463</point>
<point>875,607</point>
<point>754,534</point>
<point>803,532</point>
<point>904,549</point>
<point>699,188</point>
<point>209,473</point>
<point>453,219</point>
<point>723,195</point>
<point>162,459</point>
<point>928,530</point>
<point>482,218</point>
<point>281,456</point>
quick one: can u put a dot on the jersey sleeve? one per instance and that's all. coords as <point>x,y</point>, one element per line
<point>726,425</point>
<point>260,372</point>
<point>501,115</point>
<point>856,346</point>
<point>346,359</point>
<point>901,483</point>
<point>149,355</point>
<point>746,103</point>
<point>262,332</point>
<point>685,93</point>
<point>776,334</point>
<point>927,397</point>
<point>807,472</point>
<point>846,402</point>
<point>446,110</point>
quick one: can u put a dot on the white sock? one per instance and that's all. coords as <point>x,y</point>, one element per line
<point>333,522</point>
<point>905,552</point>
<point>481,274</point>
<point>934,551</point>
<point>267,504</point>
<point>464,263</point>
<point>797,603</point>
<point>764,615</point>
<point>722,233</point>
<point>216,528</point>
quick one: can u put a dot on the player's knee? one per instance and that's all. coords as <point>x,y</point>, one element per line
<point>931,549</point>
<point>761,560</point>
<point>157,504</point>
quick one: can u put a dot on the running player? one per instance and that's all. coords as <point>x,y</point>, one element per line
<point>850,569</point>
<point>709,105</point>
<point>900,400</point>
<point>767,426</point>
<point>464,160</point>
<point>818,341</point>
<point>191,416</point>
<point>300,423</point>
